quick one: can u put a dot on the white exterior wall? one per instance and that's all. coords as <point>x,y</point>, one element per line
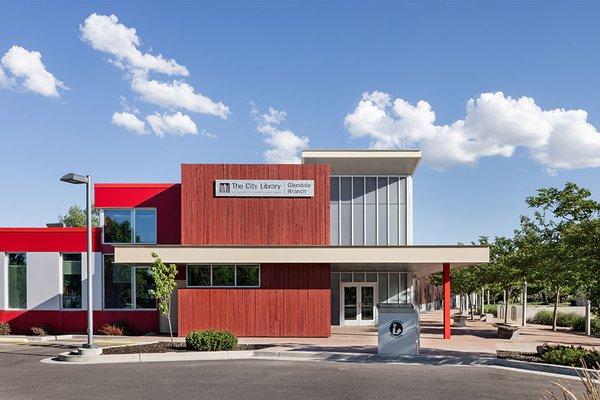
<point>43,281</point>
<point>3,281</point>
<point>96,280</point>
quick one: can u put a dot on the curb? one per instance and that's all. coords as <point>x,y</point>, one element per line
<point>33,339</point>
<point>69,358</point>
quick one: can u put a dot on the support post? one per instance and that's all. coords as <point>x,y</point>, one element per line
<point>524,316</point>
<point>588,317</point>
<point>446,285</point>
<point>482,301</point>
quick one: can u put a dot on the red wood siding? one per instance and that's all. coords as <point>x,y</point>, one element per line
<point>20,321</point>
<point>47,239</point>
<point>210,220</point>
<point>294,300</point>
<point>165,197</point>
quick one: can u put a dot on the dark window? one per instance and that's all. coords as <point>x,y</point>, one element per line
<point>117,284</point>
<point>223,275</point>
<point>247,275</point>
<point>198,275</point>
<point>17,280</point>
<point>71,297</point>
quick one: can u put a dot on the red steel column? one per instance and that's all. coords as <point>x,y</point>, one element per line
<point>446,285</point>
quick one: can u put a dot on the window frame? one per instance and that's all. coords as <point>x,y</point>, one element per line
<point>7,266</point>
<point>132,212</point>
<point>132,288</point>
<point>62,282</point>
<point>235,286</point>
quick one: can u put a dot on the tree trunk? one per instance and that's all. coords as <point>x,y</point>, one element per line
<point>169,320</point>
<point>556,301</point>
<point>506,303</point>
<point>471,306</point>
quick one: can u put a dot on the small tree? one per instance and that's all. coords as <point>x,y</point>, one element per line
<point>164,279</point>
<point>76,217</point>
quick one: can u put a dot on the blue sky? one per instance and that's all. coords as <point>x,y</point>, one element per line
<point>314,61</point>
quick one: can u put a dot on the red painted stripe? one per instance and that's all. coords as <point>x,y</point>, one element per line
<point>47,239</point>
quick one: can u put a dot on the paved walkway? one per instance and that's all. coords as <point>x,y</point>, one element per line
<point>478,338</point>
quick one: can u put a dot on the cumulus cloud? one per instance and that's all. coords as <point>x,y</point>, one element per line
<point>29,72</point>
<point>129,121</point>
<point>176,124</point>
<point>176,94</point>
<point>105,33</point>
<point>285,144</point>
<point>494,125</point>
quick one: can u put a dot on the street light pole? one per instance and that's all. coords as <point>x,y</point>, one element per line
<point>77,179</point>
<point>90,303</point>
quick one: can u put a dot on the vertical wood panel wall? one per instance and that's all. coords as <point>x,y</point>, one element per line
<point>211,220</point>
<point>293,301</point>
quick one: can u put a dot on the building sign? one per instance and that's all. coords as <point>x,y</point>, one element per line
<point>264,188</point>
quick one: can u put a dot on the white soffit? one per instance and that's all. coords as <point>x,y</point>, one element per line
<point>426,255</point>
<point>365,162</point>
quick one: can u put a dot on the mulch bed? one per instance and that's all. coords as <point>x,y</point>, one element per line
<point>164,347</point>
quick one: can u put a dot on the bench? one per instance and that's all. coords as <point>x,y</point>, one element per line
<point>507,331</point>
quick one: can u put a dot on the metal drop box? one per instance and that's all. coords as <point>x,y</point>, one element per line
<point>399,329</point>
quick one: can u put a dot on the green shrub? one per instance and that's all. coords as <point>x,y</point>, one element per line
<point>579,326</point>
<point>211,340</point>
<point>544,317</point>
<point>491,309</point>
<point>572,356</point>
<point>4,328</point>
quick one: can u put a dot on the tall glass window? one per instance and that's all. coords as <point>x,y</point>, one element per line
<point>17,280</point>
<point>346,211</point>
<point>117,284</point>
<point>358,217</point>
<point>144,282</point>
<point>368,210</point>
<point>126,286</point>
<point>382,215</point>
<point>71,269</point>
<point>334,210</point>
<point>129,226</point>
<point>371,211</point>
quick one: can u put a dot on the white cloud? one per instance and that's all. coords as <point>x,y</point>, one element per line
<point>29,72</point>
<point>494,125</point>
<point>4,79</point>
<point>285,144</point>
<point>209,135</point>
<point>176,124</point>
<point>176,94</point>
<point>129,121</point>
<point>105,33</point>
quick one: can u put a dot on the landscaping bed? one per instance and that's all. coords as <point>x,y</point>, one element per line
<point>166,347</point>
<point>558,355</point>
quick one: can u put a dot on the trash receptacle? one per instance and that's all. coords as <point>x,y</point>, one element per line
<point>398,329</point>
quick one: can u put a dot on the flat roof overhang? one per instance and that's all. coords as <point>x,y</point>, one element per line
<point>365,162</point>
<point>419,259</point>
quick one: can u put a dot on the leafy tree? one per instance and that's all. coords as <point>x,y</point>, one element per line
<point>76,217</point>
<point>558,213</point>
<point>164,279</point>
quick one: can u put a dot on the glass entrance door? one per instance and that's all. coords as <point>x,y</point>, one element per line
<point>358,304</point>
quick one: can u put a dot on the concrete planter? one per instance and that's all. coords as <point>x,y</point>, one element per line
<point>460,320</point>
<point>506,331</point>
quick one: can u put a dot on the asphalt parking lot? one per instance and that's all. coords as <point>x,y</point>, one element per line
<point>23,376</point>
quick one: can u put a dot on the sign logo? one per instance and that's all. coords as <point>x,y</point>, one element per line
<point>264,188</point>
<point>396,328</point>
